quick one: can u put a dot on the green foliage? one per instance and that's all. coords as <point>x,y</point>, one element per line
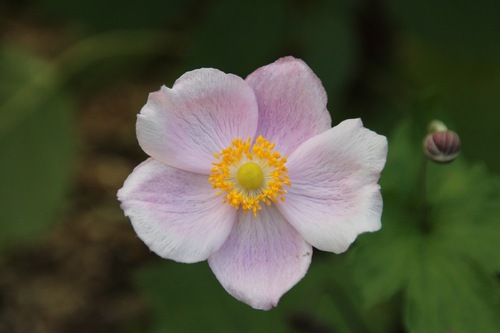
<point>438,246</point>
<point>326,299</point>
<point>446,293</point>
<point>466,213</point>
<point>36,144</point>
<point>188,298</point>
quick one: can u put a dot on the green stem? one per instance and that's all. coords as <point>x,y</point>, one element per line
<point>421,198</point>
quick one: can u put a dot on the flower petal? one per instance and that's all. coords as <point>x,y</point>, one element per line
<point>334,194</point>
<point>262,259</point>
<point>202,114</point>
<point>292,103</point>
<point>175,212</point>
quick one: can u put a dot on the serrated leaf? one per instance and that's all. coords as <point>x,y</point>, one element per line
<point>36,142</point>
<point>381,261</point>
<point>441,265</point>
<point>328,296</point>
<point>445,294</point>
<point>466,211</point>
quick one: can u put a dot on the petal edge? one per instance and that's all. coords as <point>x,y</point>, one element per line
<point>262,259</point>
<point>334,194</point>
<point>202,113</point>
<point>292,103</point>
<point>176,213</point>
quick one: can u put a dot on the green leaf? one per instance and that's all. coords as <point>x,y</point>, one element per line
<point>446,272</point>
<point>445,294</point>
<point>381,261</point>
<point>36,145</point>
<point>465,211</point>
<point>188,298</point>
<point>328,297</point>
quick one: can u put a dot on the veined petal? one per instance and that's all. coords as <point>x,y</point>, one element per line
<point>334,194</point>
<point>202,114</point>
<point>175,212</point>
<point>262,259</point>
<point>292,103</point>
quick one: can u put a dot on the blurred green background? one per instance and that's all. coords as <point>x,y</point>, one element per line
<point>73,76</point>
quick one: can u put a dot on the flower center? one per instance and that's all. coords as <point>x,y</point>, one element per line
<point>249,174</point>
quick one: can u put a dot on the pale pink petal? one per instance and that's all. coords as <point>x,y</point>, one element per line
<point>292,103</point>
<point>202,114</point>
<point>175,212</point>
<point>262,259</point>
<point>334,194</point>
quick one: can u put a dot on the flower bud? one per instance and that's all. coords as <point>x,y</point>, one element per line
<point>442,146</point>
<point>437,126</point>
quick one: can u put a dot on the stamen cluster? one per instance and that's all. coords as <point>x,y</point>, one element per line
<point>224,174</point>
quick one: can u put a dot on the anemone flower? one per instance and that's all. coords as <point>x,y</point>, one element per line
<point>249,175</point>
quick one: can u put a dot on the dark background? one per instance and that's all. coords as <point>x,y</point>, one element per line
<point>73,76</point>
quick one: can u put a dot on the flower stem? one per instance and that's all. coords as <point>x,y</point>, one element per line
<point>422,206</point>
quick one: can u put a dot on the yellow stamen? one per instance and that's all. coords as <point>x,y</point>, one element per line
<point>250,174</point>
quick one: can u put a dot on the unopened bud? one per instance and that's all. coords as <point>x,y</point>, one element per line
<point>441,145</point>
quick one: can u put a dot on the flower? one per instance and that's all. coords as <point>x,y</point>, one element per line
<point>250,175</point>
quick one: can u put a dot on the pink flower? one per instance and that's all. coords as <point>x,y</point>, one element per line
<point>250,175</point>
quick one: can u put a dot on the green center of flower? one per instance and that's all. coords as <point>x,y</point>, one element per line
<point>250,176</point>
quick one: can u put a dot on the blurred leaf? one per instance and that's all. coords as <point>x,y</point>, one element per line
<point>326,297</point>
<point>445,294</point>
<point>466,213</point>
<point>180,293</point>
<point>446,273</point>
<point>325,300</point>
<point>36,144</point>
<point>382,262</point>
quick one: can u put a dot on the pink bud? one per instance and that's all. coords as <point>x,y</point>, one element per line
<point>442,146</point>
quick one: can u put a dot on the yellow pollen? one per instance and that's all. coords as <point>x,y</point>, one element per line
<point>248,175</point>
